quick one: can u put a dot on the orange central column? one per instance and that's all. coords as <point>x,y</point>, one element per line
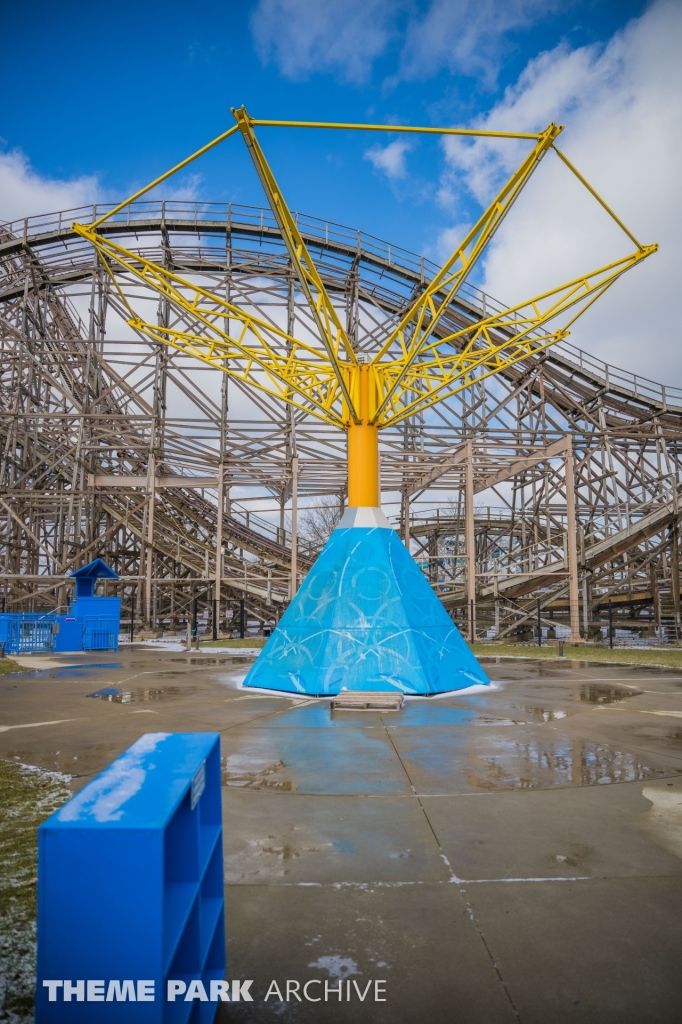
<point>363,450</point>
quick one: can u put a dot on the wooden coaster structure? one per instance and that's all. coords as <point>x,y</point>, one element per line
<point>93,464</point>
<point>412,368</point>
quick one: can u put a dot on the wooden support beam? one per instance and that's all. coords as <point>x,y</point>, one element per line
<point>160,482</point>
<point>572,541</point>
<point>294,526</point>
<point>470,539</point>
<point>550,451</point>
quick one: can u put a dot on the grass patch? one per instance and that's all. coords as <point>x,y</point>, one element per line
<point>7,665</point>
<point>254,641</point>
<point>617,656</point>
<point>27,796</point>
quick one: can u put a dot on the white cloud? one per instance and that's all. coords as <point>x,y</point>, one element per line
<point>303,36</point>
<point>622,106</point>
<point>467,36</point>
<point>448,240</point>
<point>186,189</point>
<point>24,192</point>
<point>389,159</point>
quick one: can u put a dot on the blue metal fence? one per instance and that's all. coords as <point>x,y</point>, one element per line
<point>27,632</point>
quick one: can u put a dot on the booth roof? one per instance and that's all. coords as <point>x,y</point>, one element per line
<point>95,570</point>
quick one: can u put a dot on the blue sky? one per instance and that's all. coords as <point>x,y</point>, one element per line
<point>130,94</point>
<point>99,99</point>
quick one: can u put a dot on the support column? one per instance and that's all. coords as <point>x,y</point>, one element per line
<point>294,526</point>
<point>151,488</point>
<point>655,599</point>
<point>221,495</point>
<point>363,466</point>
<point>675,572</point>
<point>363,447</point>
<point>573,598</point>
<point>470,538</point>
<point>219,540</point>
<point>291,450</point>
<point>406,520</point>
<point>586,589</point>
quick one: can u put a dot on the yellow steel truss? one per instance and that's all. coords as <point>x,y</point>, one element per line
<point>420,362</point>
<point>252,350</point>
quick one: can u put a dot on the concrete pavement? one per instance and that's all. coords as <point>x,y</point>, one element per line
<point>508,855</point>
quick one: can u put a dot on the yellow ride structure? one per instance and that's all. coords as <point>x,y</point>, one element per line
<point>416,365</point>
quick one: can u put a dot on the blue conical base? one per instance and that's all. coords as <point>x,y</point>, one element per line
<point>365,618</point>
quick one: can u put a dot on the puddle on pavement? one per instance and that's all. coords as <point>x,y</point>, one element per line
<point>593,693</point>
<point>543,760</point>
<point>68,672</point>
<point>651,732</point>
<point>236,660</point>
<point>545,714</point>
<point>116,696</point>
<point>416,713</point>
<point>420,713</point>
<point>244,772</point>
<point>99,664</point>
<point>537,765</point>
<point>497,721</point>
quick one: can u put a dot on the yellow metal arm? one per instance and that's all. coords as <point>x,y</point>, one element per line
<point>422,318</point>
<point>162,177</point>
<point>257,352</point>
<point>461,358</point>
<point>421,362</point>
<point>332,334</point>
<point>408,128</point>
<point>593,192</point>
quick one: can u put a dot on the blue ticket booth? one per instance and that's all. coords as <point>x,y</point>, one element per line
<point>92,623</point>
<point>130,890</point>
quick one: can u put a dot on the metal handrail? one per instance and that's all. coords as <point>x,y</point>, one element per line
<point>328,232</point>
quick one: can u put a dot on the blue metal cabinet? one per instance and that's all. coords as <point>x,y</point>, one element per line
<point>70,635</point>
<point>101,621</point>
<point>131,887</point>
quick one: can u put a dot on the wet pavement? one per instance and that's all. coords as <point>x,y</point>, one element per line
<point>513,854</point>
